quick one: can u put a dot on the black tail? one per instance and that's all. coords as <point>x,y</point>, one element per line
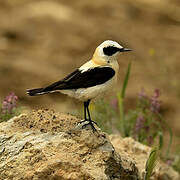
<point>36,92</point>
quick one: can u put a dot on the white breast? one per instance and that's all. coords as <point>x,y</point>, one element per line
<point>83,94</point>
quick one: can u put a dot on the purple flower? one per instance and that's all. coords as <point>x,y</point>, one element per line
<point>140,123</point>
<point>9,103</point>
<point>155,102</point>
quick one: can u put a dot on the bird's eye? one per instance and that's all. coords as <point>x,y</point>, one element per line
<point>110,50</point>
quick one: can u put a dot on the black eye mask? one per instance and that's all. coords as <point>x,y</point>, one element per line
<point>110,50</point>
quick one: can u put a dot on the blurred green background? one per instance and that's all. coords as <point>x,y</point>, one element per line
<point>41,41</point>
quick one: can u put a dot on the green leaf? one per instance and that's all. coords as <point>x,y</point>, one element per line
<point>151,163</point>
<point>120,97</point>
<point>125,81</point>
<point>161,141</point>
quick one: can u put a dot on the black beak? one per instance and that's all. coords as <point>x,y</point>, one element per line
<point>124,50</point>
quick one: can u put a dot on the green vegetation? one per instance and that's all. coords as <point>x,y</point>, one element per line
<point>144,122</point>
<point>175,162</point>
<point>103,115</point>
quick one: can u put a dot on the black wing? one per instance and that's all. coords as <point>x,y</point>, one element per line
<point>79,79</point>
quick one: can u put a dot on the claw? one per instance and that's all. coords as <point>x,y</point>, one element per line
<point>91,124</point>
<point>85,120</point>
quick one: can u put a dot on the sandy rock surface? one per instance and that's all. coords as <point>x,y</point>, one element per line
<point>45,145</point>
<point>139,153</point>
<point>43,41</point>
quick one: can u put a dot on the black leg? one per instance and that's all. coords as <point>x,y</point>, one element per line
<point>88,111</point>
<point>85,112</point>
<point>88,102</point>
<point>86,107</point>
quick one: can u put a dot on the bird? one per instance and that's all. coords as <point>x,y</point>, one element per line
<point>90,80</point>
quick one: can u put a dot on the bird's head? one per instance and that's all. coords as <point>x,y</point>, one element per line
<point>107,52</point>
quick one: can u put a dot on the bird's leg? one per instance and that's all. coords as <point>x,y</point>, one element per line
<point>86,110</point>
<point>90,120</point>
<point>89,113</point>
<point>85,113</point>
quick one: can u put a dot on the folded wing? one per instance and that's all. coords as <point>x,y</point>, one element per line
<point>78,79</point>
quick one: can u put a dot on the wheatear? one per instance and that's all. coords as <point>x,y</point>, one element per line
<point>92,79</point>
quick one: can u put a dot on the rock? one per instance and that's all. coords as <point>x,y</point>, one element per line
<point>45,145</point>
<point>139,153</point>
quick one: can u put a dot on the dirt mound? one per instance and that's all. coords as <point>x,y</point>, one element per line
<point>46,121</point>
<point>78,154</point>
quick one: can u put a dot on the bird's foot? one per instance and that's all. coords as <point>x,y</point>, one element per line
<point>91,124</point>
<point>87,120</point>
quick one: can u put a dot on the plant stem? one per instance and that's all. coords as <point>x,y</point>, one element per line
<point>121,96</point>
<point>170,136</point>
<point>170,141</point>
<point>121,111</point>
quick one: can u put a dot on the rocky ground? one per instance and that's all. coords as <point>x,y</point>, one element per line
<point>42,40</point>
<point>48,145</point>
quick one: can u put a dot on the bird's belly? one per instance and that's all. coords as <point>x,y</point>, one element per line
<point>83,94</point>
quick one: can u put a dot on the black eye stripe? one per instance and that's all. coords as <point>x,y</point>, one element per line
<point>110,50</point>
